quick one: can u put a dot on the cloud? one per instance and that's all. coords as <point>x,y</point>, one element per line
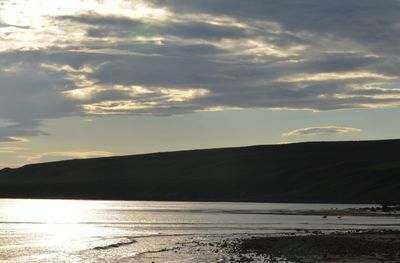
<point>169,57</point>
<point>10,149</point>
<point>55,156</point>
<point>317,131</point>
<point>29,94</point>
<point>12,138</point>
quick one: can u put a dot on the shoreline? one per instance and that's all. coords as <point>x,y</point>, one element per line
<point>205,200</point>
<point>314,246</point>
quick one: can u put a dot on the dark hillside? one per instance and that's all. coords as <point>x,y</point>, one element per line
<point>366,171</point>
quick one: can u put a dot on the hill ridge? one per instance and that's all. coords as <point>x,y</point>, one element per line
<point>340,171</point>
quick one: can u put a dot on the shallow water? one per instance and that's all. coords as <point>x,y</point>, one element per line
<point>136,231</point>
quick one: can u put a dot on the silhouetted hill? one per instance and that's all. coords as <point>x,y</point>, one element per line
<point>366,171</point>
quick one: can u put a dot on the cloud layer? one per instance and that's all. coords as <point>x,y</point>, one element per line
<point>167,57</point>
<point>317,131</point>
<point>52,156</point>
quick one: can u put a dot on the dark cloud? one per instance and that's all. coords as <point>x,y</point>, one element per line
<point>103,26</point>
<point>17,132</point>
<point>95,19</point>
<point>29,94</point>
<point>366,21</point>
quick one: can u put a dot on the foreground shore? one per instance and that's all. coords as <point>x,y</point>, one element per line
<point>354,246</point>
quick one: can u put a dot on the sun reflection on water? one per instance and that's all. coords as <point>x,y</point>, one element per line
<point>59,225</point>
<point>50,211</point>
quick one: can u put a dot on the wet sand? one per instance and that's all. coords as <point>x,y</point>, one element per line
<point>354,246</point>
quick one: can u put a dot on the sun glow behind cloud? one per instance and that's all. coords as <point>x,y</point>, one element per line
<point>34,13</point>
<point>31,24</point>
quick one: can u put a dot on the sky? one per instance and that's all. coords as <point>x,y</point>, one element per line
<point>86,78</point>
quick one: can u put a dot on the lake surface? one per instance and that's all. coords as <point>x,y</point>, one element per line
<point>136,231</point>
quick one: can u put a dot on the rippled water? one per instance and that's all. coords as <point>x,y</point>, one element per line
<point>135,231</point>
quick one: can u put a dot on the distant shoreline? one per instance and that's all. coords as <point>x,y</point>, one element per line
<point>371,210</point>
<point>197,201</point>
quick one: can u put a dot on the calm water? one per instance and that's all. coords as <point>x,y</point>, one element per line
<point>133,231</point>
